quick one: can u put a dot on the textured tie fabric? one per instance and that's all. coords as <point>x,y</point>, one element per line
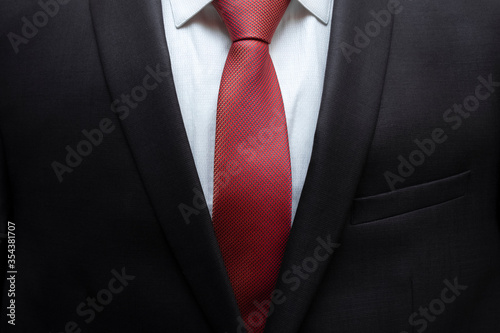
<point>252,174</point>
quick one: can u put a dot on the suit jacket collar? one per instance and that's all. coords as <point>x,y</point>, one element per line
<point>352,93</point>
<point>132,44</point>
<point>131,41</point>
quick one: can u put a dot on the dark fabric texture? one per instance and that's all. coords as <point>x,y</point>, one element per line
<point>125,243</point>
<point>4,213</point>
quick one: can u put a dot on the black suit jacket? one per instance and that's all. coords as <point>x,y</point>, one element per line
<point>403,184</point>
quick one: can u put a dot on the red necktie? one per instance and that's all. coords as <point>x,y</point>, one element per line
<point>252,176</point>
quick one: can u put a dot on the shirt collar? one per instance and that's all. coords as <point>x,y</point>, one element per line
<point>322,9</point>
<point>184,10</point>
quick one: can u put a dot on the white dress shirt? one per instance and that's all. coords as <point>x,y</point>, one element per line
<point>199,43</point>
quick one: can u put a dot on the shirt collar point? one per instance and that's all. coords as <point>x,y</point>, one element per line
<point>182,12</point>
<point>180,22</point>
<point>321,9</point>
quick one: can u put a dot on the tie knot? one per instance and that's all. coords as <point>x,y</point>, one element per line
<point>251,19</point>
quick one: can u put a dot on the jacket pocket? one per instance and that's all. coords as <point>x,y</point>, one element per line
<point>406,200</point>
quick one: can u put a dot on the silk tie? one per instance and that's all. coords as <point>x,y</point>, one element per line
<point>252,174</point>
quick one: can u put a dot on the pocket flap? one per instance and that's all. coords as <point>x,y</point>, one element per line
<point>385,205</point>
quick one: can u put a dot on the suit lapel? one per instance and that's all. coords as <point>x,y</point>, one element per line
<point>132,45</point>
<point>131,39</point>
<point>350,103</point>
